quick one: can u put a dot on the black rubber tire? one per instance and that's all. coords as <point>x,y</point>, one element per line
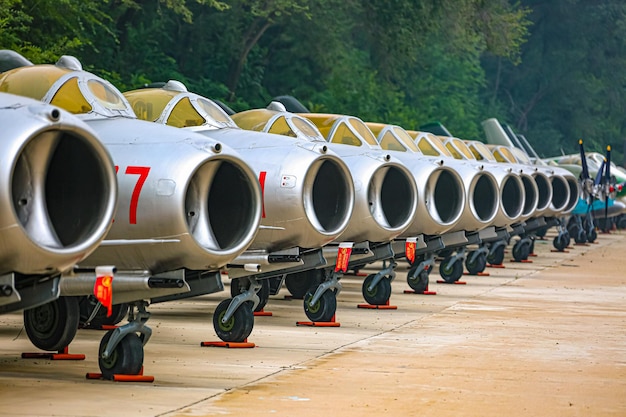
<point>325,308</point>
<point>476,267</point>
<point>580,236</point>
<point>521,250</point>
<point>53,326</point>
<point>568,237</point>
<point>496,257</point>
<point>560,242</point>
<point>239,285</point>
<point>240,325</point>
<point>621,223</point>
<point>299,283</point>
<point>450,272</point>
<point>87,304</point>
<point>592,235</point>
<point>417,282</point>
<point>380,293</point>
<point>126,358</point>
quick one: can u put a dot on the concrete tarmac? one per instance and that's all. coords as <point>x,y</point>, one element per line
<point>545,338</point>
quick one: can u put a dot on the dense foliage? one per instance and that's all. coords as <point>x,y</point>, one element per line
<point>550,69</point>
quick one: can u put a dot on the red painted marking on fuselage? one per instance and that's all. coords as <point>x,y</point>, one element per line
<point>262,176</point>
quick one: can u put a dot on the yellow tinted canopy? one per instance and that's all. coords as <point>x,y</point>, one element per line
<point>458,148</point>
<point>255,119</point>
<point>149,104</point>
<point>346,130</point>
<point>392,137</point>
<point>428,144</point>
<point>32,81</point>
<point>503,154</point>
<point>175,106</point>
<point>76,91</point>
<point>480,150</point>
<point>279,123</point>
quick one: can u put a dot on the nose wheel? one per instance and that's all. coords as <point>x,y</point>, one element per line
<point>377,294</point>
<point>451,269</point>
<point>496,253</point>
<point>476,263</point>
<point>323,309</point>
<point>125,359</point>
<point>238,326</point>
<point>521,249</point>
<point>418,281</point>
<point>121,349</point>
<point>320,302</point>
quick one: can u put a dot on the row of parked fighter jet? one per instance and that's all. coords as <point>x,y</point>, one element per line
<point>171,190</point>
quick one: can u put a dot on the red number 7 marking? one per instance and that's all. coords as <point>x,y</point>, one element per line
<point>134,199</point>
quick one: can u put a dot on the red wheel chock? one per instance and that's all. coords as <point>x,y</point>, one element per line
<point>440,281</point>
<point>61,355</point>
<point>496,266</point>
<point>140,377</point>
<point>101,327</point>
<point>331,323</point>
<point>425,292</point>
<point>262,313</point>
<point>478,274</point>
<point>385,306</point>
<point>229,345</point>
<point>523,261</point>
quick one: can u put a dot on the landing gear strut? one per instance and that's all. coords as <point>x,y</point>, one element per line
<point>238,326</point>
<point>234,318</point>
<point>522,249</point>
<point>418,274</point>
<point>476,260</point>
<point>377,287</point>
<point>240,285</point>
<point>121,349</point>
<point>93,316</point>
<point>496,252</point>
<point>562,239</point>
<point>320,303</point>
<point>451,268</point>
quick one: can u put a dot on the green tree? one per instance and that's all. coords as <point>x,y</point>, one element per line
<point>568,85</point>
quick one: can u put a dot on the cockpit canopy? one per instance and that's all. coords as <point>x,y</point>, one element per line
<point>457,148</point>
<point>393,138</point>
<point>66,85</point>
<point>175,106</point>
<point>429,144</point>
<point>480,151</point>
<point>345,130</point>
<point>278,122</point>
<point>503,154</point>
